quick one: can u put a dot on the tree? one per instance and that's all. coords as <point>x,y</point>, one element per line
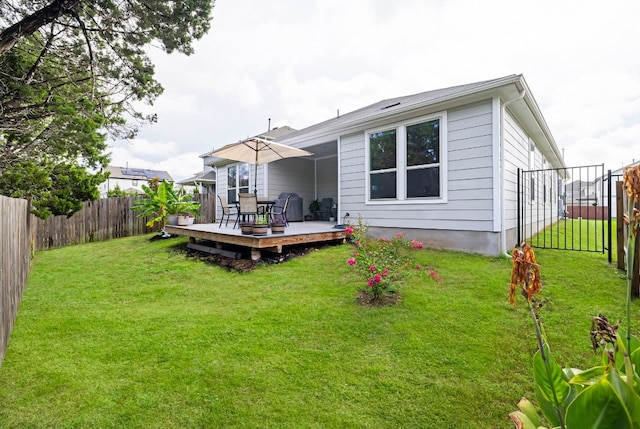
<point>70,72</point>
<point>53,188</point>
<point>116,192</point>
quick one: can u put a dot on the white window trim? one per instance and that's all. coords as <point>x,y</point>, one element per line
<point>236,185</point>
<point>401,167</point>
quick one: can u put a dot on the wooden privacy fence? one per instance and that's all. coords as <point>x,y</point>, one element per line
<point>102,220</point>
<point>21,233</point>
<point>15,259</point>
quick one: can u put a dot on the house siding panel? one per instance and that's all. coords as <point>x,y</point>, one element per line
<point>516,155</point>
<point>469,203</point>
<point>292,175</point>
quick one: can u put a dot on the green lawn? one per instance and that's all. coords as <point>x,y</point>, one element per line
<point>574,234</point>
<point>131,334</point>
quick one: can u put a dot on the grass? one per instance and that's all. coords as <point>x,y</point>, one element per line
<point>130,334</point>
<point>575,234</point>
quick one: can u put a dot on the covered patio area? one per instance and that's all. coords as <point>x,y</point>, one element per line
<point>218,240</point>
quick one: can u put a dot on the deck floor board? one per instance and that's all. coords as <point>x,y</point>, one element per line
<point>295,234</point>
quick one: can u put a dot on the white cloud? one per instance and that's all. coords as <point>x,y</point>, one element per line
<point>299,61</point>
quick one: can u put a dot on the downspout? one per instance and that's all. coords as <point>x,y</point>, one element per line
<point>503,233</point>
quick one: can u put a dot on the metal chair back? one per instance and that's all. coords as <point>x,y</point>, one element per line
<point>248,204</point>
<point>282,211</point>
<point>226,210</point>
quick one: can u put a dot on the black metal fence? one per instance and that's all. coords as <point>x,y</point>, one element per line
<point>565,208</point>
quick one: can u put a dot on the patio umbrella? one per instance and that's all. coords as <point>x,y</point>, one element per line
<point>258,151</point>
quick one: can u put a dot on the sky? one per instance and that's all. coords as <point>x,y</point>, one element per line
<point>297,62</point>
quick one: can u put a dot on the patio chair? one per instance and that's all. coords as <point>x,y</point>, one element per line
<point>226,210</point>
<point>325,208</point>
<point>247,206</point>
<point>278,211</point>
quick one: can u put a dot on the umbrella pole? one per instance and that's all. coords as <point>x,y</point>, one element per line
<point>255,175</point>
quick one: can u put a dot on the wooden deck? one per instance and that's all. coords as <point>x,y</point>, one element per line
<point>295,234</point>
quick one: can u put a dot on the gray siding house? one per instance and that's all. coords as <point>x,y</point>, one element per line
<point>440,166</point>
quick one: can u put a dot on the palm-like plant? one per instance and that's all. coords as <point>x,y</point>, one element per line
<point>157,204</point>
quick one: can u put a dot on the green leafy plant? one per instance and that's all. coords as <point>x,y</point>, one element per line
<point>162,200</point>
<point>184,205</point>
<point>157,203</point>
<point>262,219</point>
<point>314,206</point>
<point>116,192</point>
<point>382,262</point>
<point>605,396</point>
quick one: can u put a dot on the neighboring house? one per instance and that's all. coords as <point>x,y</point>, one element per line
<point>130,179</point>
<point>601,183</point>
<point>440,166</point>
<point>204,182</point>
<point>581,193</point>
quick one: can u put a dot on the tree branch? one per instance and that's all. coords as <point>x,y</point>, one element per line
<point>29,24</point>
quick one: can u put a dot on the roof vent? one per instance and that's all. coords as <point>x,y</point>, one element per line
<point>390,105</point>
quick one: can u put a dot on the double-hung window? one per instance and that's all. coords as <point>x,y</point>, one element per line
<point>406,162</point>
<point>423,159</point>
<point>383,164</point>
<point>237,180</point>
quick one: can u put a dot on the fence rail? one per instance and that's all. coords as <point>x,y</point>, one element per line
<point>21,233</point>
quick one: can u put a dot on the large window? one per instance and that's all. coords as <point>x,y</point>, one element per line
<point>423,159</point>
<point>382,161</point>
<point>237,180</point>
<point>405,162</point>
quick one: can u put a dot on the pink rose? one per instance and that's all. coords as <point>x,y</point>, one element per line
<point>416,244</point>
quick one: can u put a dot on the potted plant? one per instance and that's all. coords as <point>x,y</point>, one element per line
<point>246,227</point>
<point>261,225</point>
<point>186,208</point>
<point>314,208</point>
<point>278,224</point>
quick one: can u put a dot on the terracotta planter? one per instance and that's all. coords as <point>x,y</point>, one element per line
<point>260,229</point>
<point>277,228</point>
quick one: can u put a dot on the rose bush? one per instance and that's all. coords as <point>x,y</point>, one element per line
<point>382,262</point>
